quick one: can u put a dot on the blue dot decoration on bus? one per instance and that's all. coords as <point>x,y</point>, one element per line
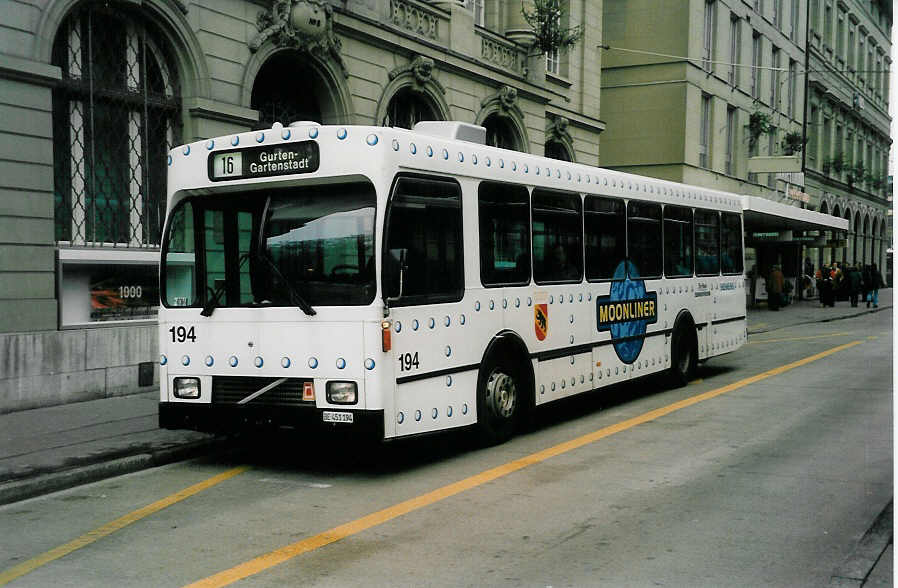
<point>434,413</point>
<point>552,299</point>
<point>526,168</point>
<point>505,303</point>
<point>537,171</point>
<point>341,363</point>
<point>474,159</point>
<point>477,306</point>
<point>445,153</point>
<point>235,140</point>
<point>285,134</point>
<point>448,351</point>
<point>501,163</point>
<point>285,362</point>
<point>415,325</point>
<point>210,361</point>
<point>397,327</point>
<point>561,299</point>
<point>186,150</point>
<point>185,360</point>
<point>464,408</point>
<point>400,418</point>
<point>461,157</point>
<point>341,133</point>
<point>313,133</point>
<point>369,364</point>
<point>461,319</point>
<point>492,304</point>
<point>258,361</point>
<point>447,321</point>
<point>417,415</point>
<point>232,361</point>
<point>163,360</point>
<point>529,301</point>
<point>412,148</point>
<point>517,303</point>
<point>429,151</point>
<point>487,161</point>
<point>448,380</point>
<point>431,323</point>
<point>313,362</point>
<point>260,136</point>
<point>395,145</point>
<point>371,139</point>
<point>210,144</point>
<point>514,166</point>
<point>542,388</point>
<point>627,311</point>
<point>169,160</point>
<point>448,411</point>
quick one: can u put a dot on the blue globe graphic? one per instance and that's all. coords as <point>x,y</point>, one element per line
<point>626,288</point>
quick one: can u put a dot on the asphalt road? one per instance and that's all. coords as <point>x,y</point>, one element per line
<point>766,471</point>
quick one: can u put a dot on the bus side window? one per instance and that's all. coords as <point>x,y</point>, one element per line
<point>504,220</point>
<point>606,236</point>
<point>425,221</point>
<point>731,244</point>
<point>557,237</point>
<point>707,242</point>
<point>677,241</point>
<point>644,237</point>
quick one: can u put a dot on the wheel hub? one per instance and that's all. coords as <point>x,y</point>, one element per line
<point>501,394</point>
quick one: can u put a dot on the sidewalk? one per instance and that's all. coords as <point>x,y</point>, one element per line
<point>48,449</point>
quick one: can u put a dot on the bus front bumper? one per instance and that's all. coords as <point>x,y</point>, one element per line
<point>223,418</point>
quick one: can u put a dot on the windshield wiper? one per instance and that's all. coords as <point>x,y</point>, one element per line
<point>212,302</point>
<point>262,253</point>
<point>295,297</point>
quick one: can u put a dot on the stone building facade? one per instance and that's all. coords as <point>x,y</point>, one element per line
<point>93,94</point>
<point>847,157</point>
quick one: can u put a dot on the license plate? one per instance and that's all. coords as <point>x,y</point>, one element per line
<point>336,417</point>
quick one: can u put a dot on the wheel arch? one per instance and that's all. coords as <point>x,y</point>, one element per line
<point>510,344</point>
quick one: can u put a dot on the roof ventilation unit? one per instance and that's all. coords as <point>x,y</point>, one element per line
<point>453,129</point>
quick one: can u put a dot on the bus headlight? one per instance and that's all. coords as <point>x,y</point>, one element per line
<point>187,388</point>
<point>342,393</point>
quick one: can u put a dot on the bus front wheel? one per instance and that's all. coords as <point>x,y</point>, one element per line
<point>499,400</point>
<point>683,356</point>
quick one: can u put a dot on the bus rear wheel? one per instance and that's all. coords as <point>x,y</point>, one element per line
<point>683,356</point>
<point>499,400</point>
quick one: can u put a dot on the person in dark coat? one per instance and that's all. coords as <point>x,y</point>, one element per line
<point>775,288</point>
<point>876,282</point>
<point>853,280</point>
<point>867,278</point>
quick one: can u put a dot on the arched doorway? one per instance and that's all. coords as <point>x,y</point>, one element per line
<point>292,86</point>
<point>558,150</point>
<point>116,114</point>
<point>867,238</point>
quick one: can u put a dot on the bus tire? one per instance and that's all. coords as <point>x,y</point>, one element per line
<point>683,354</point>
<point>500,399</point>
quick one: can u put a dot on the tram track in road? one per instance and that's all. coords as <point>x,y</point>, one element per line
<point>381,516</point>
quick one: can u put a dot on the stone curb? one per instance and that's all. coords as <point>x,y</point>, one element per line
<point>822,320</point>
<point>858,565</point>
<point>21,489</point>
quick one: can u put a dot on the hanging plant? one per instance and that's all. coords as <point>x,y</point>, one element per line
<point>793,143</point>
<point>546,21</point>
<point>758,124</point>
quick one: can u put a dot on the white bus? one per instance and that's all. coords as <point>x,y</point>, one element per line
<point>403,282</point>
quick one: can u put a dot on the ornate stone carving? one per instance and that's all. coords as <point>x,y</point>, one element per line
<point>498,54</point>
<point>421,69</point>
<point>506,99</point>
<point>305,25</point>
<point>413,18</point>
<point>557,128</point>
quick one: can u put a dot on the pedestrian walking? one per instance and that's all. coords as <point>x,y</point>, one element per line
<point>775,288</point>
<point>876,283</point>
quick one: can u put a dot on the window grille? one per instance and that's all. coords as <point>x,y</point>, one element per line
<point>116,114</point>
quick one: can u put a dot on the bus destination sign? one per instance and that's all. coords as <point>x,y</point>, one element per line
<point>260,162</point>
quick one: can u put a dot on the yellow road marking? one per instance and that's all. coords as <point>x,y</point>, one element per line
<point>800,338</point>
<point>279,556</point>
<point>32,564</point>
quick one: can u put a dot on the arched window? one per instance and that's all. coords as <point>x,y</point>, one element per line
<point>500,132</point>
<point>558,150</point>
<point>116,113</point>
<point>408,107</point>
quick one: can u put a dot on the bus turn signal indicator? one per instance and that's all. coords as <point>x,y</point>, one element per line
<point>386,337</point>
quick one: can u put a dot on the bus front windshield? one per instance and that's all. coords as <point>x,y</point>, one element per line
<point>293,246</point>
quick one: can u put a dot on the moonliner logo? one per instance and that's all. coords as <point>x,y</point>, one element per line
<point>626,311</point>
